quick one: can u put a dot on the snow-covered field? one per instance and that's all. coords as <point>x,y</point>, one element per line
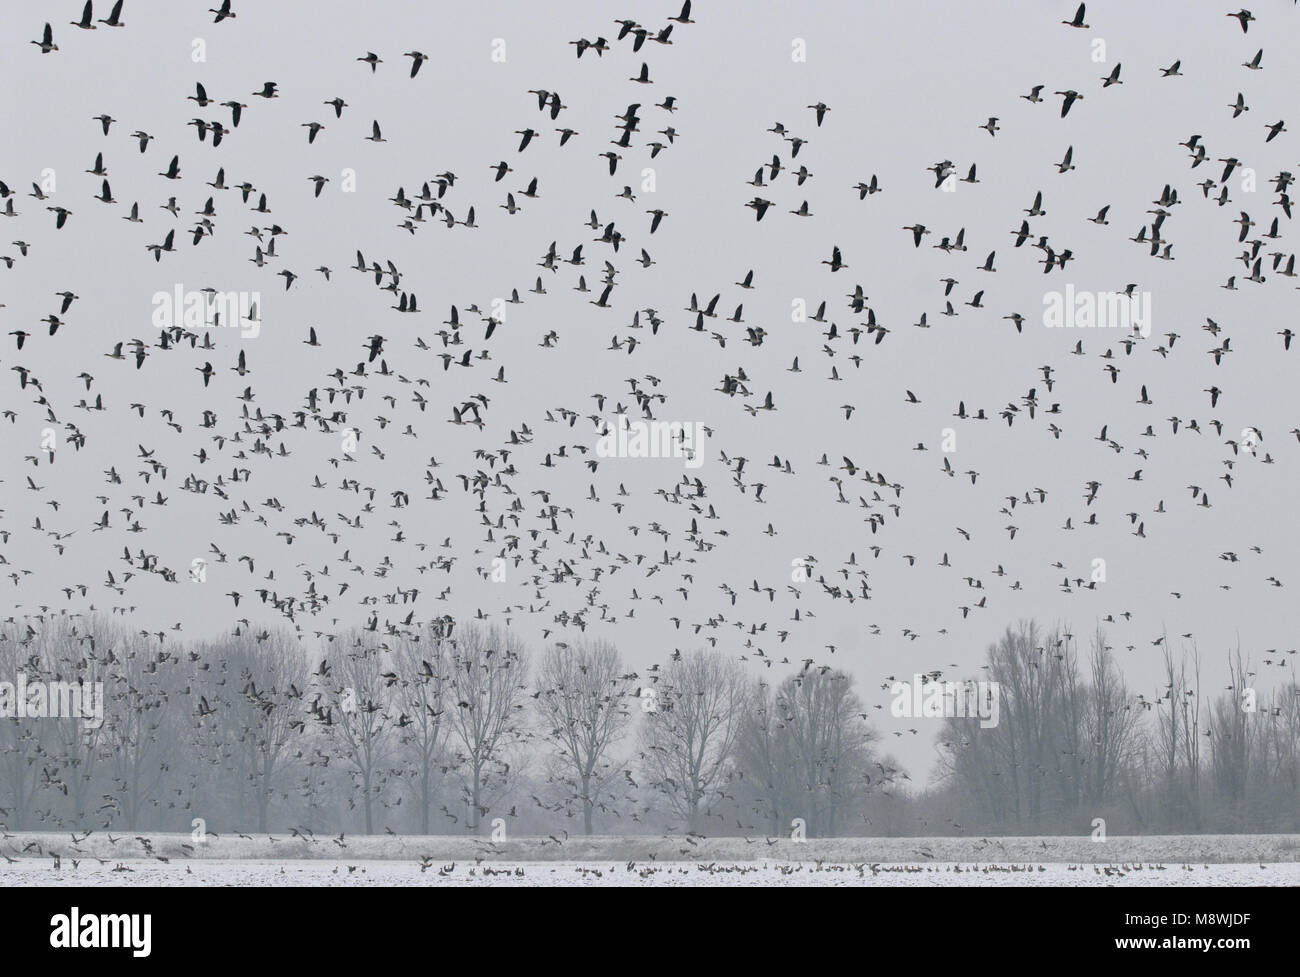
<point>326,872</point>
<point>103,858</point>
<point>285,846</point>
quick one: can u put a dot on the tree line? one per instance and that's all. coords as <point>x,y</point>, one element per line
<point>459,727</point>
<point>1075,744</point>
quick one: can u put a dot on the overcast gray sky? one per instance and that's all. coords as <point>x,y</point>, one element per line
<point>908,85</point>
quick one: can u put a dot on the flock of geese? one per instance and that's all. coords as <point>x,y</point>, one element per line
<point>587,541</point>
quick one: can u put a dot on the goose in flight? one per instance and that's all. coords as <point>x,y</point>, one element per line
<point>684,17</point>
<point>865,188</point>
<point>115,18</point>
<point>417,59</point>
<point>1243,17</point>
<point>86,23</point>
<point>373,377</point>
<point>835,262</point>
<point>46,43</point>
<point>1068,98</point>
<point>600,46</point>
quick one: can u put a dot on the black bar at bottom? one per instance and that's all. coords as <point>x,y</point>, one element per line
<point>332,926</point>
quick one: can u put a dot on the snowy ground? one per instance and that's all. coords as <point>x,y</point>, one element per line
<point>103,858</point>
<point>326,872</point>
<point>613,850</point>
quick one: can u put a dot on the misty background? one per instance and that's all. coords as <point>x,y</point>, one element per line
<point>907,87</point>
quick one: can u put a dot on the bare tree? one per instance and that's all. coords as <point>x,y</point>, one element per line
<point>1069,759</point>
<point>76,747</point>
<point>1004,765</point>
<point>1282,753</point>
<point>141,732</point>
<point>1178,736</point>
<point>423,663</point>
<point>763,768</point>
<point>1111,726</point>
<point>1233,741</point>
<point>583,702</point>
<point>690,737</point>
<point>358,720</point>
<point>21,745</point>
<point>829,746</point>
<point>489,669</point>
<point>272,674</point>
<point>806,752</point>
<point>1037,766</point>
